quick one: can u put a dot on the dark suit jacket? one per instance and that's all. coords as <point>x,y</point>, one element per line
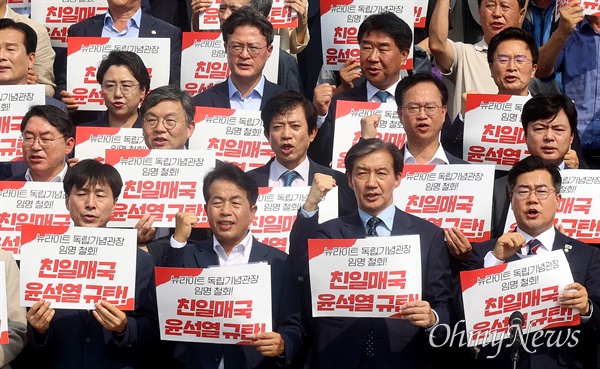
<point>218,95</point>
<point>321,149</point>
<point>584,261</point>
<point>340,342</point>
<point>346,198</point>
<point>285,310</point>
<point>500,206</point>
<point>149,27</point>
<point>76,340</point>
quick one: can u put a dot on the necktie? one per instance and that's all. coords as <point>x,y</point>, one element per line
<point>534,245</point>
<point>288,178</point>
<point>372,226</point>
<point>382,95</point>
<point>372,232</point>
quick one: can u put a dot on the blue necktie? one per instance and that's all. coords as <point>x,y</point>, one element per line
<point>382,95</point>
<point>288,178</point>
<point>534,245</point>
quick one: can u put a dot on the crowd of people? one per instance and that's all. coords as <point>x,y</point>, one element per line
<point>553,63</point>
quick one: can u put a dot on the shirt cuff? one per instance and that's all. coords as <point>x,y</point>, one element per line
<point>321,120</point>
<point>490,260</point>
<point>586,318</point>
<point>437,322</point>
<point>176,244</point>
<point>307,214</point>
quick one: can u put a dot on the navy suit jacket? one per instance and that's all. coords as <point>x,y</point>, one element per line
<point>149,27</point>
<point>584,261</point>
<point>500,206</point>
<point>340,342</point>
<point>218,95</point>
<point>346,198</point>
<point>76,340</point>
<point>321,149</point>
<point>285,310</point>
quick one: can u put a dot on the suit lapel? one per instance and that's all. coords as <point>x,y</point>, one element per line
<point>222,95</point>
<point>206,257</point>
<point>148,27</point>
<point>402,223</point>
<point>259,252</point>
<point>353,227</point>
<point>97,25</point>
<point>311,172</point>
<point>261,174</point>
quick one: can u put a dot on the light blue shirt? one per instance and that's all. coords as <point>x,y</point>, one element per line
<point>131,31</point>
<point>384,228</point>
<point>250,102</point>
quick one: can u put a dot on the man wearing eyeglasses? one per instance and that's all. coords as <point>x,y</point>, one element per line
<point>47,140</point>
<point>465,65</point>
<point>248,38</point>
<point>421,100</point>
<point>535,197</point>
<point>167,118</point>
<point>167,122</point>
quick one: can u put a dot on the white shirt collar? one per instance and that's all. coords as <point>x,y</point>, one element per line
<point>439,158</point>
<point>546,238</point>
<point>239,255</point>
<point>372,90</point>
<point>59,177</point>
<point>277,169</point>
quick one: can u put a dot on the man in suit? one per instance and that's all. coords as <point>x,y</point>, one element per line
<point>374,170</point>
<point>47,140</point>
<point>248,38</point>
<point>167,123</point>
<point>290,125</point>
<point>385,42</point>
<point>421,100</point>
<point>535,197</point>
<point>288,75</point>
<point>42,71</point>
<point>549,122</point>
<point>123,19</point>
<point>105,337</point>
<point>230,207</point>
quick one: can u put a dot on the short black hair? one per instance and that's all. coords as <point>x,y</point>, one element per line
<point>516,34</point>
<point>246,16</point>
<point>55,117</point>
<point>170,92</point>
<point>521,3</point>
<point>261,6</point>
<point>369,146</point>
<point>408,82</point>
<point>547,107</point>
<point>284,103</point>
<point>89,173</point>
<point>390,24</point>
<point>231,173</point>
<point>29,34</point>
<point>128,59</point>
<point>531,164</point>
